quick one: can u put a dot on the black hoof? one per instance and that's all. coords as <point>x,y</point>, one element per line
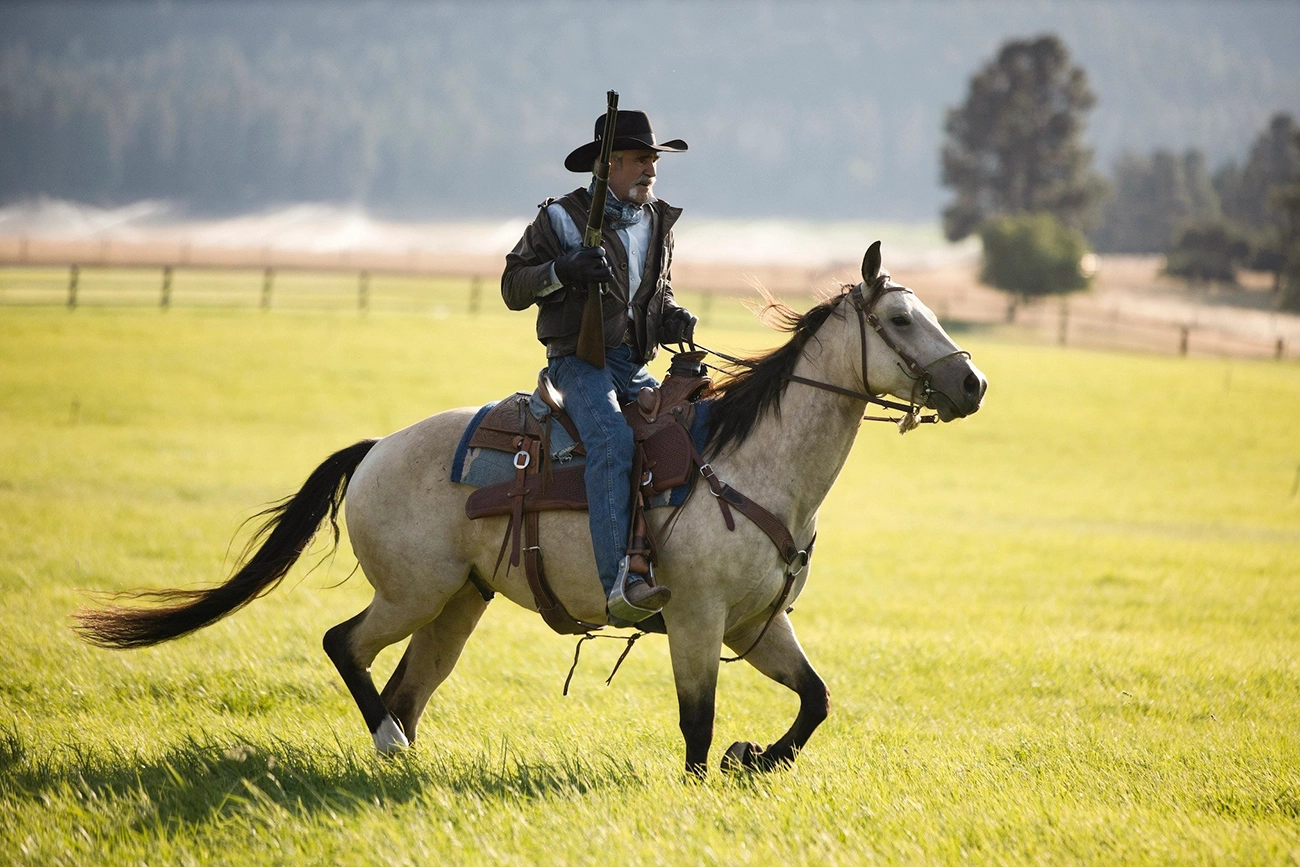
<point>741,756</point>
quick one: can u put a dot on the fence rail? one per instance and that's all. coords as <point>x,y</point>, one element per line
<point>1071,322</point>
<point>224,287</point>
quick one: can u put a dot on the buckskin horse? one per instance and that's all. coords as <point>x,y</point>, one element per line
<point>781,427</point>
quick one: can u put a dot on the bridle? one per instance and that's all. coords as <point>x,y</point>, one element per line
<point>864,305</point>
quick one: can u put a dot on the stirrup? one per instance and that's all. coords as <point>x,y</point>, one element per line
<point>622,612</point>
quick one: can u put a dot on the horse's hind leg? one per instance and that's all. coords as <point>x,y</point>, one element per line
<point>779,656</point>
<point>431,656</point>
<point>353,646</point>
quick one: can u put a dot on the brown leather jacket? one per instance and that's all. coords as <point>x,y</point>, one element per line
<point>559,314</point>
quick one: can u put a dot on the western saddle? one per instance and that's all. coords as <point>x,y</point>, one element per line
<point>665,457</point>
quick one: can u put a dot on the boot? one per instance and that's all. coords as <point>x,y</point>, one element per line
<point>642,595</point>
<point>634,598</point>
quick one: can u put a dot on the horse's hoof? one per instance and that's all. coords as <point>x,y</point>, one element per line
<point>740,756</point>
<point>389,738</point>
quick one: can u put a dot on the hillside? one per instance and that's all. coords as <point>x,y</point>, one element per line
<point>828,110</point>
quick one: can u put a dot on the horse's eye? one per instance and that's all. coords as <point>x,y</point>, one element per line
<point>900,320</point>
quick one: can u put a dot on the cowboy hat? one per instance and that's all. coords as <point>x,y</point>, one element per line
<point>632,131</point>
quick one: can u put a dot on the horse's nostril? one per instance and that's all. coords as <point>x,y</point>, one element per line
<point>971,385</point>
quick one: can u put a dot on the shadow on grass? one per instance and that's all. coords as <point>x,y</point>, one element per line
<point>199,781</point>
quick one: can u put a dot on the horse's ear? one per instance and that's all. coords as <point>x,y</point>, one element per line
<point>871,265</point>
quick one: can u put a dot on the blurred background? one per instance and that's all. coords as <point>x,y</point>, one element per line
<point>419,137</point>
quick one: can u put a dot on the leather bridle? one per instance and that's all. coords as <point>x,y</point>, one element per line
<point>864,306</point>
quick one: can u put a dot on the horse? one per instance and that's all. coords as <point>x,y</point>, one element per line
<point>781,428</point>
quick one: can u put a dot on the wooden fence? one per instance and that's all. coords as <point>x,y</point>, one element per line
<point>1080,321</point>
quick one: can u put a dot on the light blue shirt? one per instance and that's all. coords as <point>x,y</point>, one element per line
<point>635,238</point>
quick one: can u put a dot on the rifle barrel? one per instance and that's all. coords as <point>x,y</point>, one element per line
<point>591,335</point>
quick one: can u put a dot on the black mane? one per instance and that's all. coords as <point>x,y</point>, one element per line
<point>753,388</point>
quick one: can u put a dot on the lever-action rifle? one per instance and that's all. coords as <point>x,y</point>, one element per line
<point>591,336</point>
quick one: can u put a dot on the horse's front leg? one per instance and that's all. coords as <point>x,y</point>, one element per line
<point>779,656</point>
<point>694,648</point>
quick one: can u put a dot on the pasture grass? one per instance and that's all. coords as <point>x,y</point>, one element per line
<point>1065,629</point>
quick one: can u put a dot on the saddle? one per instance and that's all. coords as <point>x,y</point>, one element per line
<point>664,458</point>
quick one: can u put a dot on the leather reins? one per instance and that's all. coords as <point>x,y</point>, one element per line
<point>920,374</point>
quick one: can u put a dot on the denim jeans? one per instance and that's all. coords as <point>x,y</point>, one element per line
<point>591,398</point>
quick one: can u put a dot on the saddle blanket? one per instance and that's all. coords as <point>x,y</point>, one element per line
<point>481,468</point>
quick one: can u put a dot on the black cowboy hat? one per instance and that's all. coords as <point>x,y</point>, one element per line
<point>632,132</point>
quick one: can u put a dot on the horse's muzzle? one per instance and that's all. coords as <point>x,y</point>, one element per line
<point>957,387</point>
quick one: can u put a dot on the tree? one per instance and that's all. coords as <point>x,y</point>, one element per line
<point>1210,251</point>
<point>1288,202</point>
<point>1254,197</point>
<point>1152,198</point>
<point>1274,162</point>
<point>1015,145</point>
<point>1031,255</point>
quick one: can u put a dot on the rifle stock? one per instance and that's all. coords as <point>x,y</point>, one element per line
<point>591,335</point>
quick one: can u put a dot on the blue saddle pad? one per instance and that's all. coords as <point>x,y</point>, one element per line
<point>481,468</point>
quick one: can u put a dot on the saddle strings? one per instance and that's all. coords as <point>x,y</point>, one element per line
<point>590,636</point>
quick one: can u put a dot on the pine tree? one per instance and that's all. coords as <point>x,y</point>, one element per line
<point>1287,200</point>
<point>1252,195</point>
<point>1015,145</point>
<point>1274,162</point>
<point>1152,199</point>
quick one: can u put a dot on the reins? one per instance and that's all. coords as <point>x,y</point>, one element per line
<point>920,374</point>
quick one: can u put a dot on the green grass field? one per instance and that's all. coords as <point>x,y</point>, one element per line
<point>1063,630</point>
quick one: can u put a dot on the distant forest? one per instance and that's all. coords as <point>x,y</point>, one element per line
<point>451,110</point>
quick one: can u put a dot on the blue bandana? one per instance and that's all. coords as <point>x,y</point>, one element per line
<point>618,214</point>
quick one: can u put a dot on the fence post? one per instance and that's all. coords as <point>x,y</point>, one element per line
<point>268,277</point>
<point>1279,350</point>
<point>475,293</point>
<point>1184,338</point>
<point>166,300</point>
<point>74,277</point>
<point>1063,329</point>
<point>363,292</point>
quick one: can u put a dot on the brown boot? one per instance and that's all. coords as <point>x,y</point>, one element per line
<point>642,595</point>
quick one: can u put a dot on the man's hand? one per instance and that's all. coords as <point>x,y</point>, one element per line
<point>583,267</point>
<point>679,327</point>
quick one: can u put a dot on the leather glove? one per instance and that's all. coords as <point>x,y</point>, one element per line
<point>679,327</point>
<point>583,267</point>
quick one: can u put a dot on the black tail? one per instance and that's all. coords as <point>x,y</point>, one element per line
<point>289,527</point>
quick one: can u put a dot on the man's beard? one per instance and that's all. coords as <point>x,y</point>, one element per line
<point>640,193</point>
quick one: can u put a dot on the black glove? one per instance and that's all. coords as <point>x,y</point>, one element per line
<point>583,267</point>
<point>679,327</point>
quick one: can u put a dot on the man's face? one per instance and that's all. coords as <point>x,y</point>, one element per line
<point>632,175</point>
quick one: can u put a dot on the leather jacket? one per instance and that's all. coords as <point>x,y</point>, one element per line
<point>559,314</point>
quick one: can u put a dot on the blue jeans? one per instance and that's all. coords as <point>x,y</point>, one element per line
<point>591,398</point>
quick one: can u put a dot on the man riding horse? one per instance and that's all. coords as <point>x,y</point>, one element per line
<point>551,268</point>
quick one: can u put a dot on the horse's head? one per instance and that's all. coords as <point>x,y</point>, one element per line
<point>914,359</point>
